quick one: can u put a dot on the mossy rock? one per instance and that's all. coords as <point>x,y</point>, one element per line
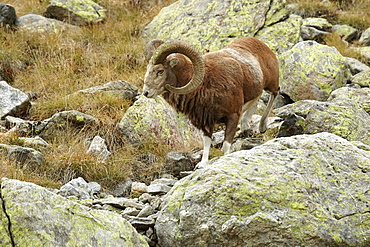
<point>39,217</point>
<point>155,121</point>
<point>312,71</point>
<point>362,79</point>
<point>341,116</point>
<point>76,12</point>
<point>210,24</point>
<point>307,190</point>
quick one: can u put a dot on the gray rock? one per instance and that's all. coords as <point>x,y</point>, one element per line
<point>79,188</point>
<point>349,33</point>
<point>68,119</point>
<point>362,78</point>
<point>137,187</point>
<point>155,120</point>
<point>7,15</point>
<point>41,24</point>
<point>341,116</point>
<point>12,101</point>
<point>99,149</point>
<point>146,211</point>
<point>28,158</point>
<point>283,35</point>
<point>122,89</point>
<point>365,37</point>
<point>155,189</point>
<point>42,218</point>
<point>34,141</point>
<point>76,12</point>
<point>140,223</point>
<point>214,24</point>
<point>356,66</point>
<point>166,181</point>
<point>312,71</point>
<point>311,33</point>
<point>321,24</point>
<point>120,202</point>
<point>307,190</point>
<point>177,162</point>
<point>359,95</point>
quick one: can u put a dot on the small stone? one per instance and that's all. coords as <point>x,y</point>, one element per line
<point>158,189</point>
<point>131,211</point>
<point>146,211</point>
<point>137,187</point>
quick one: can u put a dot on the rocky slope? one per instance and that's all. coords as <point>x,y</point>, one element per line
<point>307,187</point>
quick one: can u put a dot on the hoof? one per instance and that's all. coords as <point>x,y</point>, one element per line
<point>201,165</point>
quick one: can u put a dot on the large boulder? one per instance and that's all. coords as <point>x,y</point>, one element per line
<point>283,35</point>
<point>359,95</point>
<point>12,101</point>
<point>211,24</point>
<point>7,15</point>
<point>38,23</point>
<point>76,12</point>
<point>341,116</point>
<point>312,71</point>
<point>307,190</point>
<point>32,215</point>
<point>154,120</point>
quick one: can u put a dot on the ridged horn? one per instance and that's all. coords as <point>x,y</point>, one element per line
<point>192,53</point>
<point>151,47</point>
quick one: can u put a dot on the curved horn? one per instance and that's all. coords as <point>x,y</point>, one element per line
<point>192,53</point>
<point>151,47</point>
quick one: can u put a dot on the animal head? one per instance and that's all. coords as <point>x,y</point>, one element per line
<point>160,77</point>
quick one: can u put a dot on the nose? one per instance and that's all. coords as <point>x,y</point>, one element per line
<point>146,93</point>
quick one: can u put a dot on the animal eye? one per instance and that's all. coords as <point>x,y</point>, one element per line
<point>160,72</point>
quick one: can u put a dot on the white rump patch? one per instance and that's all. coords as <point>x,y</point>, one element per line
<point>249,60</point>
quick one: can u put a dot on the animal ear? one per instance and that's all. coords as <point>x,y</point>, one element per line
<point>174,62</point>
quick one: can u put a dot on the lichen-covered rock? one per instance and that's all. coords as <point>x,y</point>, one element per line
<point>362,79</point>
<point>76,12</point>
<point>349,33</point>
<point>365,37</point>
<point>28,158</point>
<point>38,23</point>
<point>12,101</point>
<point>68,119</point>
<point>341,116</point>
<point>308,190</point>
<point>154,120</point>
<point>315,28</point>
<point>42,218</point>
<point>312,71</point>
<point>283,35</point>
<point>359,95</point>
<point>210,24</point>
<point>356,66</point>
<point>363,51</point>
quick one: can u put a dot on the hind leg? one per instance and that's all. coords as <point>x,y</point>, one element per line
<point>249,108</point>
<point>270,104</point>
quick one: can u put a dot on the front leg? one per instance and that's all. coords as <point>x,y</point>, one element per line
<point>207,146</point>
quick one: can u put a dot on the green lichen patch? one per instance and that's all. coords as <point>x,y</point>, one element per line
<point>213,23</point>
<point>303,190</point>
<point>43,218</point>
<point>312,71</point>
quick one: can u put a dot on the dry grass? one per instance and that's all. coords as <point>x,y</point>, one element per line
<point>56,65</point>
<point>351,12</point>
